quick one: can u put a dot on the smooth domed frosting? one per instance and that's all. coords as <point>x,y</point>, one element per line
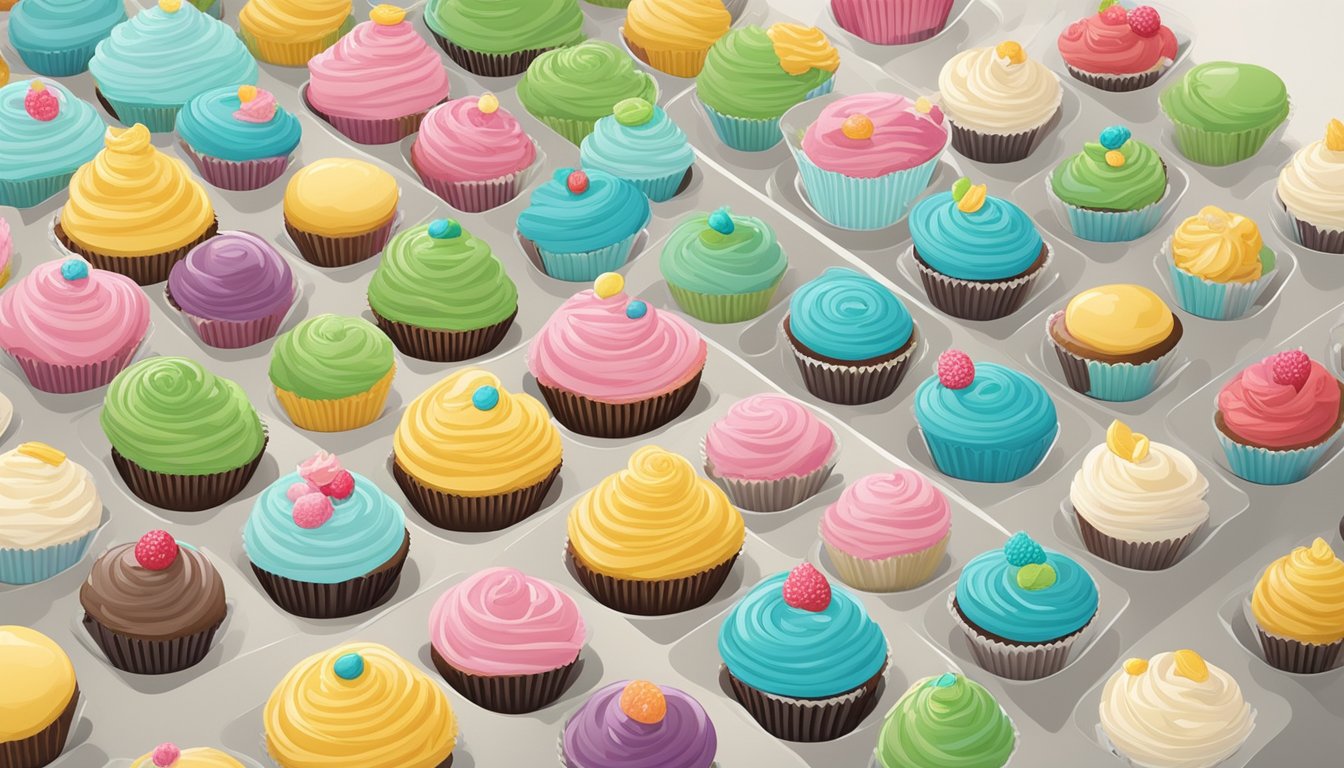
<point>1311,185</point>
<point>990,593</point>
<point>35,149</point>
<point>600,734</point>
<point>651,149</point>
<point>57,26</point>
<point>444,283</point>
<point>1300,596</point>
<point>1118,319</point>
<point>234,276</point>
<point>997,241</point>
<point>215,123</point>
<point>459,142</point>
<point>1090,179</point>
<point>758,73</point>
<point>378,71</point>
<point>768,437</point>
<point>1102,45</point>
<point>45,498</point>
<point>1219,246</point>
<point>1226,97</point>
<point>899,135</point>
<point>445,441</point>
<point>700,258</point>
<point>328,357</point>
<point>171,415</point>
<point>846,315</point>
<point>1259,409</point>
<point>990,93</point>
<point>192,757</point>
<point>127,598</point>
<point>293,21</point>
<point>1157,498</point>
<point>583,82</point>
<point>506,26</point>
<point>1002,408</point>
<point>676,25</point>
<point>656,519</point>
<point>607,211</point>
<point>39,681</point>
<point>946,721</point>
<point>340,197</point>
<point>887,515</point>
<point>72,322</point>
<point>500,621</point>
<point>404,718</point>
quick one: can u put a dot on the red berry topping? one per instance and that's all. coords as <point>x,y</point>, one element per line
<point>1116,14</point>
<point>955,369</point>
<point>156,550</point>
<point>40,103</point>
<point>1145,21</point>
<point>312,511</point>
<point>807,589</point>
<point>298,490</point>
<point>1293,368</point>
<point>165,755</point>
<point>577,182</point>
<point>341,486</point>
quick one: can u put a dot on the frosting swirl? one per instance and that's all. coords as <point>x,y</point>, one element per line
<point>39,681</point>
<point>1257,408</point>
<point>1098,45</point>
<point>902,137</point>
<point>988,93</point>
<point>676,25</point>
<point>458,142</point>
<point>502,27</point>
<point>34,149</point>
<point>233,276</point>
<point>768,437</point>
<point>45,499</point>
<point>990,595</point>
<point>72,322</point>
<point>1089,179</point>
<point>1219,246</point>
<point>1158,498</point>
<point>601,735</point>
<point>887,515</point>
<point>1227,97</point>
<point>53,26</point>
<point>874,320</point>
<point>219,124</point>
<point>650,150</point>
<point>607,211</point>
<point>293,21</point>
<point>445,283</point>
<point>1300,596</point>
<point>328,357</point>
<point>744,74</point>
<point>996,242</point>
<point>583,82</point>
<point>1002,408</point>
<point>947,721</point>
<point>192,757</point>
<point>378,71</point>
<point>340,197</point>
<point>1311,185</point>
<point>129,599</point>
<point>699,258</point>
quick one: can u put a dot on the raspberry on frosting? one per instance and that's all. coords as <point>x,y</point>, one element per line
<point>166,755</point>
<point>955,369</point>
<point>156,550</point>
<point>807,589</point>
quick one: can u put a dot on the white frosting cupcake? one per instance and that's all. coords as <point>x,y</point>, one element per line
<point>45,499</point>
<point>998,90</point>
<point>1311,185</point>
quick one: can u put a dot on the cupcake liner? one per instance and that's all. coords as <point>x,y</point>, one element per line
<point>663,188</point>
<point>231,334</point>
<point>186,493</point>
<point>292,54</point>
<point>977,300</point>
<point>1139,555</point>
<point>754,134</point>
<point>586,266</point>
<point>473,196</point>
<point>770,495</point>
<point>476,514</point>
<point>882,22</point>
<point>981,464</point>
<point>1113,382</point>
<point>333,601</point>
<point>29,566</point>
<point>807,720</point>
<point>1119,83</point>
<point>157,118</point>
<point>650,597</point>
<point>31,192</point>
<point>507,694</point>
<point>1218,301</point>
<point>45,746</point>
<point>370,131</point>
<point>597,418</point>
<point>1298,657</point>
<point>145,656</point>
<point>1017,662</point>
<point>326,251</point>
<point>488,64</point>
<point>854,384</point>
<point>1111,226</point>
<point>676,63</point>
<point>66,63</point>
<point>1217,149</point>
<point>1270,467</point>
<point>69,379</point>
<point>146,269</point>
<point>340,414</point>
<point>862,204</point>
<point>1305,233</point>
<point>998,147</point>
<point>723,308</point>
<point>889,574</point>
<point>234,175</point>
<point>443,346</point>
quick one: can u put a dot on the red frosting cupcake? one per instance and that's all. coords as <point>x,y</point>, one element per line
<point>1118,49</point>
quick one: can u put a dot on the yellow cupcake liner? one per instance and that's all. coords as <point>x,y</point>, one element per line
<point>675,63</point>
<point>291,54</point>
<point>341,414</point>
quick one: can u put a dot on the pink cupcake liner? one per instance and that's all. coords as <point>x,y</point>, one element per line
<point>69,379</point>
<point>363,130</point>
<point>892,22</point>
<point>473,196</point>
<point>231,334</point>
<point>237,176</point>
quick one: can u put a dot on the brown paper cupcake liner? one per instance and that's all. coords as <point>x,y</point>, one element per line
<point>1118,83</point>
<point>324,251</point>
<point>972,300</point>
<point>144,656</point>
<point>474,514</point>
<point>654,597</point>
<point>890,574</point>
<point>507,694</point>
<point>600,419</point>
<point>854,384</point>
<point>186,493</point>
<point>1013,661</point>
<point>1313,237</point>
<point>770,495</point>
<point>1139,555</point>
<point>999,148</point>
<point>333,601</point>
<point>43,747</point>
<point>1301,658</point>
<point>808,720</point>
<point>488,64</point>
<point>443,346</point>
<point>144,270</point>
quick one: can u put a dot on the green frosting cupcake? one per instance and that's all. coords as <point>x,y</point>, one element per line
<point>1224,111</point>
<point>329,357</point>
<point>1115,173</point>
<point>502,27</point>
<point>172,416</point>
<point>569,89</point>
<point>723,268</point>
<point>946,722</point>
<point>743,76</point>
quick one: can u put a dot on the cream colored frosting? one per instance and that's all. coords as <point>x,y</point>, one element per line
<point>1311,185</point>
<point>1158,498</point>
<point>985,92</point>
<point>43,504</point>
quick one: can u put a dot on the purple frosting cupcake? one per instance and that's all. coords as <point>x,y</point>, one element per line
<point>235,288</point>
<point>636,724</point>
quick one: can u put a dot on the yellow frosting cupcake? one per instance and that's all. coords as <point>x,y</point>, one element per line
<point>169,756</point>
<point>1301,596</point>
<point>1112,340</point>
<point>674,36</point>
<point>339,211</point>
<point>1218,246</point>
<point>38,696</point>
<point>359,704</point>
<point>290,32</point>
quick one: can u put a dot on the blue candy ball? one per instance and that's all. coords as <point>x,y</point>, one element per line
<point>485,398</point>
<point>74,269</point>
<point>444,229</point>
<point>1115,137</point>
<point>636,309</point>
<point>349,667</point>
<point>720,221</point>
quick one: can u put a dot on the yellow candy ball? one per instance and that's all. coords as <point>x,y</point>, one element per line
<point>170,6</point>
<point>923,106</point>
<point>1191,666</point>
<point>1012,51</point>
<point>488,103</point>
<point>1136,666</point>
<point>1334,136</point>
<point>608,284</point>
<point>387,15</point>
<point>247,93</point>
<point>857,127</point>
<point>1115,158</point>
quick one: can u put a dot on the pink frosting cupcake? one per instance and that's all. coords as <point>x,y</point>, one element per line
<point>612,366</point>
<point>769,452</point>
<point>505,640</point>
<point>6,252</point>
<point>887,532</point>
<point>70,327</point>
<point>472,153</point>
<point>376,83</point>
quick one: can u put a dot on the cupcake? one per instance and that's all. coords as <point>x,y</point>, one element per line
<point>638,142</point>
<point>1138,503</point>
<point>612,366</point>
<point>45,135</point>
<point>581,224</point>
<point>1219,264</point>
<point>238,138</point>
<point>1112,191</point>
<point>984,422</point>
<point>508,642</point>
<point>1277,417</point>
<point>1174,710</point>
<point>134,210</point>
<point>153,606</point>
<point>570,89</point>
<point>404,717</point>
<point>803,658</point>
<point>495,39</point>
<point>181,437</point>
<point>1118,49</point>
<point>674,36</point>
<point>945,720</point>
<point>234,290</point>
<point>50,512</point>
<point>6,252</point>
<point>376,83</point>
<point>205,53</point>
<point>71,328</point>
<point>1310,188</point>
<point>169,755</point>
<point>440,294</point>
<point>39,697</point>
<point>654,538</point>
<point>999,102</point>
<point>978,256</point>
<point>332,373</point>
<point>851,336</point>
<point>1298,605</point>
<point>752,76</point>
<point>892,22</point>
<point>887,532</point>
<point>290,32</point>
<point>325,542</point>
<point>473,153</point>
<point>471,456</point>
<point>635,722</point>
<point>56,38</point>
<point>340,211</point>
<point>722,268</point>
<point>1114,341</point>
<point>769,453</point>
<point>1224,112</point>
<point>1022,608</point>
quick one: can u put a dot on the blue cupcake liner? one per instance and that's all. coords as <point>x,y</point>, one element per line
<point>661,189</point>
<point>1123,382</point>
<point>26,194</point>
<point>1218,301</point>
<point>863,204</point>
<point>586,266</point>
<point>1112,226</point>
<point>987,465</point>
<point>751,134</point>
<point>58,63</point>
<point>29,566</point>
<point>1268,467</point>
<point>158,119</point>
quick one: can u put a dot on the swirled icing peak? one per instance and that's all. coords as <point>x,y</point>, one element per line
<point>1227,97</point>
<point>1219,246</point>
<point>969,234</point>
<point>722,252</point>
<point>887,515</point>
<point>328,357</point>
<point>232,276</point>
<point>867,135</point>
<point>1281,402</point>
<point>1114,173</point>
<point>999,407</point>
<point>998,90</point>
<point>745,74</point>
<point>45,499</point>
<point>66,313</point>
<point>768,437</point>
<point>1300,596</point>
<point>578,211</point>
<point>946,721</point>
<point>1311,185</point>
<point>1118,41</point>
<point>1118,319</point>
<point>802,48</point>
<point>633,723</point>
<point>34,149</point>
<point>1026,593</point>
<point>471,139</point>
<point>382,69</point>
<point>846,315</point>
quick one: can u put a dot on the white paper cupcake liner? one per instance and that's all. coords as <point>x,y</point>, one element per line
<point>771,495</point>
<point>1018,662</point>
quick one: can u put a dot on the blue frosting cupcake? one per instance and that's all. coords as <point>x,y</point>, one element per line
<point>984,422</point>
<point>238,137</point>
<point>584,223</point>
<point>156,62</point>
<point>1023,607</point>
<point>57,37</point>
<point>39,151</point>
<point>639,143</point>
<point>978,256</point>
<point>852,338</point>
